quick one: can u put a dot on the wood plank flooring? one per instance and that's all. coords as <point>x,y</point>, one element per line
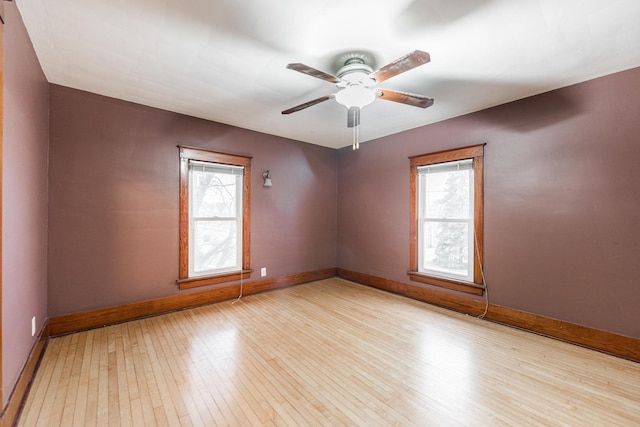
<point>326,353</point>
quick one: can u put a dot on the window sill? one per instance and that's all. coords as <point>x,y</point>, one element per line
<point>194,282</point>
<point>470,288</point>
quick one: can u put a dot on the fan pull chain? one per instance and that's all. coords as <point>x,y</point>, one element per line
<point>356,138</point>
<point>356,133</point>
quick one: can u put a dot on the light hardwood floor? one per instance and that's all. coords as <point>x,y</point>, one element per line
<point>326,353</point>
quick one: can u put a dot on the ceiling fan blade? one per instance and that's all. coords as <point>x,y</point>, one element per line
<point>305,69</point>
<point>400,65</point>
<point>353,117</point>
<point>405,98</point>
<point>308,104</point>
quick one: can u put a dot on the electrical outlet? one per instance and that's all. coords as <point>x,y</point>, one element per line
<point>263,271</point>
<point>33,325</point>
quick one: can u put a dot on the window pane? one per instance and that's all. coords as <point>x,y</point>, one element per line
<point>215,245</point>
<point>213,194</point>
<point>447,194</point>
<point>446,247</point>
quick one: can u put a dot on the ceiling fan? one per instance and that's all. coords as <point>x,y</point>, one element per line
<point>356,79</point>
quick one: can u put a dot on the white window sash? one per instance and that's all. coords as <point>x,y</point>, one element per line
<point>423,220</point>
<point>218,168</point>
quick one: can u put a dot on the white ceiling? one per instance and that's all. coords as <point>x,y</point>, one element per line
<point>224,60</point>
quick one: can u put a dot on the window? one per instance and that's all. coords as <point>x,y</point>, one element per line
<point>214,217</point>
<point>446,219</point>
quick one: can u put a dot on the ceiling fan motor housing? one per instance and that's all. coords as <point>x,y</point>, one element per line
<point>355,72</point>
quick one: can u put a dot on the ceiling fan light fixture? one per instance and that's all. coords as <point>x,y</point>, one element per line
<point>355,96</point>
<point>355,79</point>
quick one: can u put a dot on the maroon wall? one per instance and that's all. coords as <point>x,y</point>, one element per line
<point>562,201</point>
<point>24,197</point>
<point>113,215</point>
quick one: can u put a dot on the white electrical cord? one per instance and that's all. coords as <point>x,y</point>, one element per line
<point>241,289</point>
<point>484,281</point>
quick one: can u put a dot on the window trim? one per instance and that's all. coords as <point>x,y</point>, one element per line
<point>476,153</point>
<point>198,154</point>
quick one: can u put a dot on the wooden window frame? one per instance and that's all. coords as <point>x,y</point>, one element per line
<point>476,153</point>
<point>198,154</point>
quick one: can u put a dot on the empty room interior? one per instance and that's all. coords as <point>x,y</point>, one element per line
<point>320,213</point>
